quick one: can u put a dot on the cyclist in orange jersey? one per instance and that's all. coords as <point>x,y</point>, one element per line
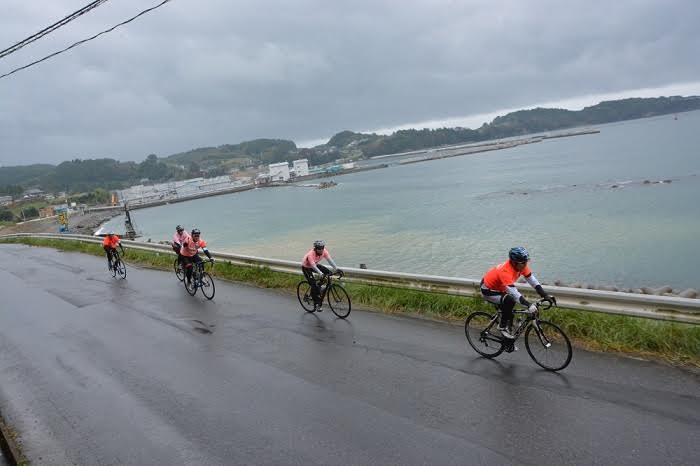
<point>109,244</point>
<point>498,287</point>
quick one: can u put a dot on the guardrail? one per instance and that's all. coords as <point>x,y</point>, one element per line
<point>670,308</point>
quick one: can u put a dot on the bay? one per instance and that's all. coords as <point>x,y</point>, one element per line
<point>590,209</point>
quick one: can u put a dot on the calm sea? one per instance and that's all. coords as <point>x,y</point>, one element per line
<point>590,209</point>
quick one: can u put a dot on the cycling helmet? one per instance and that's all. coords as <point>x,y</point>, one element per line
<point>196,231</point>
<point>319,244</point>
<point>179,228</point>
<point>111,233</point>
<point>519,254</point>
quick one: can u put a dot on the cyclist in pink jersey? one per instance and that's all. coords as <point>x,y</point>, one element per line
<point>310,264</point>
<point>189,252</point>
<point>498,287</point>
<point>179,237</point>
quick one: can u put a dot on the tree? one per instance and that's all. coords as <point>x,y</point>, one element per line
<point>193,170</point>
<point>13,190</point>
<point>6,216</point>
<point>30,212</point>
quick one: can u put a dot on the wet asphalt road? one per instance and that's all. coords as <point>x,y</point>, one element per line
<point>97,371</point>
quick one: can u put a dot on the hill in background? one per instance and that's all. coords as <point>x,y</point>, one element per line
<point>84,175</point>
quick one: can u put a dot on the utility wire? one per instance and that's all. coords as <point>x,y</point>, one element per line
<point>51,28</point>
<point>84,40</point>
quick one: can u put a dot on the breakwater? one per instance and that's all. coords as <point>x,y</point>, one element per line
<point>455,151</point>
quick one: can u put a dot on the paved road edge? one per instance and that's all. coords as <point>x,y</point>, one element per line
<point>9,447</point>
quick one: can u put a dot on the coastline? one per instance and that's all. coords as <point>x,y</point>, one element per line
<point>85,223</point>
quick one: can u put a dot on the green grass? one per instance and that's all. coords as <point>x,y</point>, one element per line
<point>674,342</point>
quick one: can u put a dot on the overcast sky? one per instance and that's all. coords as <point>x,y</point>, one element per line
<point>197,73</point>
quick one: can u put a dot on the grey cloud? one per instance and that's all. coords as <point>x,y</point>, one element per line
<point>198,73</point>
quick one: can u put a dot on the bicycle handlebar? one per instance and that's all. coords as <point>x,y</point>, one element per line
<point>541,304</point>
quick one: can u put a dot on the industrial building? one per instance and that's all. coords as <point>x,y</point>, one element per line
<point>300,167</point>
<point>279,171</point>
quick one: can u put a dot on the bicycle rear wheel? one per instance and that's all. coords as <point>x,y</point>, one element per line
<point>179,271</point>
<point>191,287</point>
<point>339,301</point>
<point>548,345</point>
<point>208,288</point>
<point>479,330</point>
<point>114,268</point>
<point>304,296</point>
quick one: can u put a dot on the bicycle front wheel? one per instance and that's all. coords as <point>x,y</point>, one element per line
<point>121,268</point>
<point>339,301</point>
<point>304,296</point>
<point>208,288</point>
<point>480,328</point>
<point>548,345</point>
<point>179,271</point>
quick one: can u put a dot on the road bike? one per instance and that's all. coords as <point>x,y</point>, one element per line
<point>546,343</point>
<point>331,289</point>
<point>200,280</point>
<point>117,265</point>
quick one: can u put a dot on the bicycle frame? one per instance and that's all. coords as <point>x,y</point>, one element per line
<point>530,319</point>
<point>197,270</point>
<point>116,258</point>
<point>325,283</point>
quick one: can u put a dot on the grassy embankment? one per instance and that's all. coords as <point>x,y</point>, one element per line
<point>673,342</point>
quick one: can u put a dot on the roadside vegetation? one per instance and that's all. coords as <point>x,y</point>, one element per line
<point>676,343</point>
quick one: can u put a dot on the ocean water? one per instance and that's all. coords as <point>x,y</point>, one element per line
<point>591,209</point>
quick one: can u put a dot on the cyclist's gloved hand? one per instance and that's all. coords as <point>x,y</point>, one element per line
<point>532,309</point>
<point>551,299</point>
<point>339,272</point>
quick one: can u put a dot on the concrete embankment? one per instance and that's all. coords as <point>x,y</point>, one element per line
<point>473,150</point>
<point>455,151</point>
<point>666,290</point>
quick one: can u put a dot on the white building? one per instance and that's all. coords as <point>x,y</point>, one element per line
<point>300,167</point>
<point>279,171</point>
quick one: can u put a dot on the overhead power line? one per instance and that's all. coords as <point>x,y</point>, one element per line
<point>84,40</point>
<point>51,28</point>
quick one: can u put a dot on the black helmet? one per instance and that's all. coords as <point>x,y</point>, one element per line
<point>195,231</point>
<point>319,244</point>
<point>519,254</point>
<point>179,228</point>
